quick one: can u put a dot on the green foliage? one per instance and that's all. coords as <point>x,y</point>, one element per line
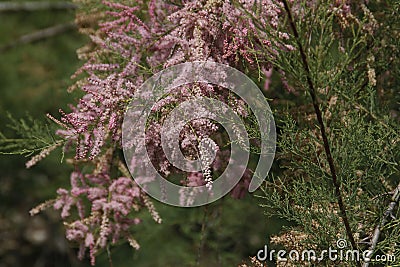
<point>360,114</point>
<point>33,136</point>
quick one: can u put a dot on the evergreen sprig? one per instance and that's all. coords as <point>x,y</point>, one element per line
<point>31,136</point>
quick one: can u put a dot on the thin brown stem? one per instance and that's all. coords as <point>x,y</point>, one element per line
<point>39,35</point>
<point>35,6</point>
<point>312,92</point>
<point>202,235</point>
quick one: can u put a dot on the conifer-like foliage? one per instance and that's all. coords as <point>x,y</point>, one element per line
<point>34,137</point>
<point>339,143</point>
<point>331,71</point>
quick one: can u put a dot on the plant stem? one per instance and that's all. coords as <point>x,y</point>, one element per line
<point>386,216</point>
<point>39,35</point>
<point>202,235</point>
<point>35,6</point>
<point>312,92</point>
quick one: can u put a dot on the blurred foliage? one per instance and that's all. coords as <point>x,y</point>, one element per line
<point>33,80</point>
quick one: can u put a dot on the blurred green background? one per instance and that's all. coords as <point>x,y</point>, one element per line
<point>33,80</point>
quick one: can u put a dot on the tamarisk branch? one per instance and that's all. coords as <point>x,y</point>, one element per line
<point>311,90</point>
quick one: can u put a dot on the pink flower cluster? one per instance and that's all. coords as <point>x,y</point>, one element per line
<point>133,42</point>
<point>110,215</point>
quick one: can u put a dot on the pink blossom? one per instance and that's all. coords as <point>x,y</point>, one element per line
<point>131,43</point>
